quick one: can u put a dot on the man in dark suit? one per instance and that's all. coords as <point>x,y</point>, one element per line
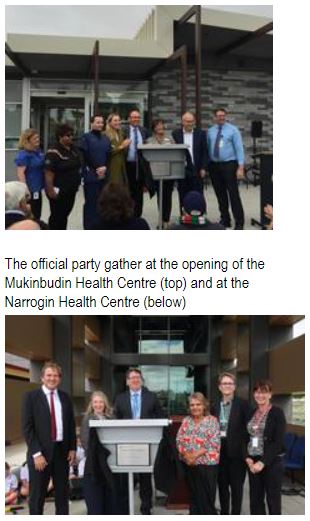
<point>139,403</point>
<point>49,430</point>
<point>232,413</point>
<point>196,157</point>
<point>137,135</point>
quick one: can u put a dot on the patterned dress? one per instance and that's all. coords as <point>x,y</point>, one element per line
<point>194,436</point>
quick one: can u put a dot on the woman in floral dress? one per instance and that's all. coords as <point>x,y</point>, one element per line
<point>198,444</point>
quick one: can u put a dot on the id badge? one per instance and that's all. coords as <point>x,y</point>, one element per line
<point>221,143</point>
<point>223,434</point>
<point>36,196</point>
<point>255,442</point>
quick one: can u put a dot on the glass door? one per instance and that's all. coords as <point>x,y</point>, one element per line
<point>48,113</point>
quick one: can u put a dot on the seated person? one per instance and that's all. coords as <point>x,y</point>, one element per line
<point>17,207</point>
<point>11,486</point>
<point>24,481</point>
<point>116,209</point>
<point>25,224</point>
<point>194,214</point>
<point>268,212</point>
<point>79,457</point>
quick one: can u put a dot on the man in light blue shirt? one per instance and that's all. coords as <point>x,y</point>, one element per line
<point>226,166</point>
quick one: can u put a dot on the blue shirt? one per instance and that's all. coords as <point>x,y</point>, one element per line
<point>34,162</point>
<point>136,412</point>
<point>131,150</point>
<point>230,148</point>
<point>96,149</point>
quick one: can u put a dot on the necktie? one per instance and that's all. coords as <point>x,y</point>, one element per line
<point>135,405</point>
<point>216,151</point>
<point>53,418</point>
<point>135,139</point>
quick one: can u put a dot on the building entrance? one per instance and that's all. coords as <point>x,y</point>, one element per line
<point>49,112</point>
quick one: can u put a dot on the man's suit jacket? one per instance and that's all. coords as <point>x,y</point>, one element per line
<point>143,131</point>
<point>200,150</point>
<point>150,407</point>
<point>36,424</point>
<point>236,434</point>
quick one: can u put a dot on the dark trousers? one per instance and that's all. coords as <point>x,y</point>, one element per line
<point>231,478</point>
<point>167,198</point>
<point>36,205</point>
<point>146,492</point>
<point>92,193</point>
<point>266,483</point>
<point>225,184</point>
<point>135,187</point>
<point>58,470</point>
<point>99,498</point>
<point>191,182</point>
<point>61,208</point>
<point>201,481</point>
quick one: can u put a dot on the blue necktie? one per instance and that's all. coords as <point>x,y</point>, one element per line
<point>216,151</point>
<point>135,405</point>
<point>135,140</point>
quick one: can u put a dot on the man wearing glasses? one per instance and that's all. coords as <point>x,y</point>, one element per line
<point>134,404</point>
<point>232,413</point>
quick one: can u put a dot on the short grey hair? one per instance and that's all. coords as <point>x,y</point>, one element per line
<point>15,192</point>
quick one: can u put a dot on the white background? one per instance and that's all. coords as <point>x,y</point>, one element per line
<point>283,288</point>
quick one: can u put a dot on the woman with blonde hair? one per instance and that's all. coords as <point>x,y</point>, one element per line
<point>98,479</point>
<point>117,162</point>
<point>30,163</point>
<point>198,444</point>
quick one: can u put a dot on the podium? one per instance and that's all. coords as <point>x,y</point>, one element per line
<point>133,446</point>
<point>166,162</point>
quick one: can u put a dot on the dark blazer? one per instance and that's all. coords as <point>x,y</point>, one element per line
<point>150,407</point>
<point>144,132</point>
<point>236,434</point>
<point>273,435</point>
<point>200,150</point>
<point>36,424</point>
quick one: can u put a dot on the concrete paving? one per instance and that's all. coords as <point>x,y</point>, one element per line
<point>250,196</point>
<point>291,504</point>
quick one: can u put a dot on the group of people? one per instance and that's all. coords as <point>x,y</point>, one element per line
<point>220,445</point>
<point>115,175</point>
<point>216,447</point>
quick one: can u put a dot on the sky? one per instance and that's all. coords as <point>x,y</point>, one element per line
<point>106,21</point>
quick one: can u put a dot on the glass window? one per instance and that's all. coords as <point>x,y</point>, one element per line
<point>13,90</point>
<point>161,346</point>
<point>298,409</point>
<point>173,385</point>
<point>13,114</point>
<point>299,328</point>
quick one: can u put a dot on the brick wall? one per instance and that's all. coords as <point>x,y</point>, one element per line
<point>247,95</point>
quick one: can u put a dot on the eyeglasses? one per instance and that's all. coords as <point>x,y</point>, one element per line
<point>227,383</point>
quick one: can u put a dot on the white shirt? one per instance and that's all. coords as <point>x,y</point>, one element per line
<point>58,411</point>
<point>81,467</point>
<point>11,483</point>
<point>188,138</point>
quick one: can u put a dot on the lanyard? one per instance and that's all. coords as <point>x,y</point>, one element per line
<point>224,416</point>
<point>259,418</point>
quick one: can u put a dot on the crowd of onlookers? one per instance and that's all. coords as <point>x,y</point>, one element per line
<point>114,175</point>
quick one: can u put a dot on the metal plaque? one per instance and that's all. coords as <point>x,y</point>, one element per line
<point>133,454</point>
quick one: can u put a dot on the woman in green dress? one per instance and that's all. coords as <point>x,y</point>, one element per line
<point>117,163</point>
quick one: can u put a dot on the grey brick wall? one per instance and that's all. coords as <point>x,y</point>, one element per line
<point>247,95</point>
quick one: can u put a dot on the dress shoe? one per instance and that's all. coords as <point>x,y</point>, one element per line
<point>225,224</point>
<point>239,227</point>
